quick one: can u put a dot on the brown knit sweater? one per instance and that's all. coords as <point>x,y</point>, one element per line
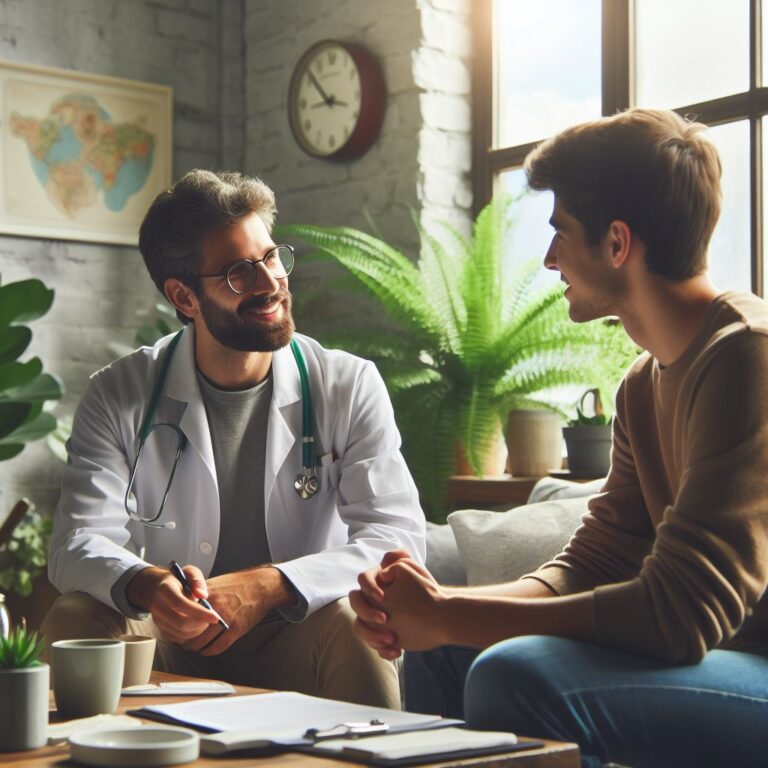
<point>676,543</point>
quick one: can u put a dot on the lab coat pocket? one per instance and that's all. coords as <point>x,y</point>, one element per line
<point>329,472</point>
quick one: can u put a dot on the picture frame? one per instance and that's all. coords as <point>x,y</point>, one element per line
<point>82,156</point>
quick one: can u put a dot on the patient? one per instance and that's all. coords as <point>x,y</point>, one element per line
<point>645,640</point>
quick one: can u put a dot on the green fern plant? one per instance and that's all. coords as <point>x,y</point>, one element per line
<point>22,648</point>
<point>469,336</point>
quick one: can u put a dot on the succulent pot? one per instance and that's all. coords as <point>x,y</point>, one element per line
<point>534,442</point>
<point>24,708</point>
<point>589,449</point>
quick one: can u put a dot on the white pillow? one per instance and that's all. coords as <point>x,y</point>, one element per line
<point>495,547</point>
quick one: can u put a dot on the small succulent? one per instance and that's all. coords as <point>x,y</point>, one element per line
<point>22,648</point>
<point>600,418</point>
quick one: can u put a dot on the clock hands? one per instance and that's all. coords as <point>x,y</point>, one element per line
<point>332,102</point>
<point>328,101</point>
<point>312,79</point>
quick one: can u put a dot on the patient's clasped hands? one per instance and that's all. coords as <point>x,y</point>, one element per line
<point>399,606</point>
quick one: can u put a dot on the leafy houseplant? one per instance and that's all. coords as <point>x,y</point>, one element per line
<point>24,682</point>
<point>24,388</point>
<point>469,336</point>
<point>24,554</point>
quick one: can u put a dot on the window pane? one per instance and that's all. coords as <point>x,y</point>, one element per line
<point>729,253</point>
<point>681,55</point>
<point>531,234</point>
<point>548,66</point>
<point>764,33</point>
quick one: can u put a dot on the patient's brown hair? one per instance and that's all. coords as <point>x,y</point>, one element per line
<point>652,169</point>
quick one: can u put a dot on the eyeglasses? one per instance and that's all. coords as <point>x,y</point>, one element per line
<point>155,442</point>
<point>241,276</point>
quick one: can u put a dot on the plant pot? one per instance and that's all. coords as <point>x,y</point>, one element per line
<point>589,449</point>
<point>24,708</point>
<point>534,442</point>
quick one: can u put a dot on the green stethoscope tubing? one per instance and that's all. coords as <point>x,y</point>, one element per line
<point>307,439</point>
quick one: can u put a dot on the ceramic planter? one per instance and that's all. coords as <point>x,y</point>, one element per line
<point>23,708</point>
<point>589,449</point>
<point>534,442</point>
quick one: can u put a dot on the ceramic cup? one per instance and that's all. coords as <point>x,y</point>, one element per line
<point>87,676</point>
<point>139,656</point>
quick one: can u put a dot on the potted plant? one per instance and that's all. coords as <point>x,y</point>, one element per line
<point>24,391</point>
<point>588,439</point>
<point>24,537</point>
<point>24,388</point>
<point>468,336</point>
<point>24,684</point>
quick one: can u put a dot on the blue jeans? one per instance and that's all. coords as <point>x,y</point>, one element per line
<point>616,706</point>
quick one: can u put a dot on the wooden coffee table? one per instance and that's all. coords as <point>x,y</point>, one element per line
<point>552,755</point>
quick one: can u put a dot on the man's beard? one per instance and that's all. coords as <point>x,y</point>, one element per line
<point>236,330</point>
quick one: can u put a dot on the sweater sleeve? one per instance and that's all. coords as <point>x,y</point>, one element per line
<point>615,534</point>
<point>708,566</point>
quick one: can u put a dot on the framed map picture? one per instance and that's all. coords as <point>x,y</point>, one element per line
<point>82,156</point>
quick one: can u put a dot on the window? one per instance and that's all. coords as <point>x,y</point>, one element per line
<point>542,65</point>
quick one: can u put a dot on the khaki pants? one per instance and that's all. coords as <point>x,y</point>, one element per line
<point>320,656</point>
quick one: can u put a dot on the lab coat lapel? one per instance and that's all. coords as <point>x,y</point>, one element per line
<point>282,431</point>
<point>182,386</point>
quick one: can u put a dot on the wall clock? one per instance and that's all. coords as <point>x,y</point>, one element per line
<point>336,100</point>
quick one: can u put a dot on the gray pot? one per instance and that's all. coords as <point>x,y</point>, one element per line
<point>589,449</point>
<point>23,708</point>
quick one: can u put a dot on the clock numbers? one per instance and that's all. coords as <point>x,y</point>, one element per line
<point>326,96</point>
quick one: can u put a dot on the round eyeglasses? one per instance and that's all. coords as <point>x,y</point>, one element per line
<point>241,276</point>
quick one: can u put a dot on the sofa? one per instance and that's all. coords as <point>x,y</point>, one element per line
<point>482,547</point>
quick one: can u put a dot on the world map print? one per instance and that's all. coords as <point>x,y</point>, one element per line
<point>79,155</point>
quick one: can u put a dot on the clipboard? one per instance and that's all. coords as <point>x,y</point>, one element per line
<point>407,748</point>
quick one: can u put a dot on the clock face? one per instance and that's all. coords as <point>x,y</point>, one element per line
<point>327,101</point>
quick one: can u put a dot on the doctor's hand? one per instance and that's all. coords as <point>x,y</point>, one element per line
<point>179,617</point>
<point>374,605</point>
<point>243,599</point>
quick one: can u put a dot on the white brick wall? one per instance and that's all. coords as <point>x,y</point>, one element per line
<point>229,62</point>
<point>420,163</point>
<point>196,47</point>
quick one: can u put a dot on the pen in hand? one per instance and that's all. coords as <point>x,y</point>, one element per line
<point>175,569</point>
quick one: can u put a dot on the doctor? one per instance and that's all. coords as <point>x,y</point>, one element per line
<point>268,466</point>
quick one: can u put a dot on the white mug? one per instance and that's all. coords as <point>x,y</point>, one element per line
<point>87,676</point>
<point>139,657</point>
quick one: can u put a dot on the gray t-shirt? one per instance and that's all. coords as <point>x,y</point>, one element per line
<point>238,423</point>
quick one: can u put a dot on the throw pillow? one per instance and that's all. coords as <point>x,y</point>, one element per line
<point>503,546</point>
<point>549,488</point>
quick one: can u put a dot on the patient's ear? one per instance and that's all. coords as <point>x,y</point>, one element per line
<point>618,240</point>
<point>182,297</point>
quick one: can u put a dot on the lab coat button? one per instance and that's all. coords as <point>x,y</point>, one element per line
<point>206,547</point>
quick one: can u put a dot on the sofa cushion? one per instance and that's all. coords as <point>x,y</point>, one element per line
<point>495,547</point>
<point>549,488</point>
<point>443,559</point>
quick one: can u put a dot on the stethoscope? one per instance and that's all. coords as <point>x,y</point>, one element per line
<point>307,483</point>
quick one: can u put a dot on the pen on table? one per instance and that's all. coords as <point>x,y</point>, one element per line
<point>175,569</point>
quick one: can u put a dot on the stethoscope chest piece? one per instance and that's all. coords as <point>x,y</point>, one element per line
<point>306,483</point>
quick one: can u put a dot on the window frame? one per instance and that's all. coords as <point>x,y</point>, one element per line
<point>489,160</point>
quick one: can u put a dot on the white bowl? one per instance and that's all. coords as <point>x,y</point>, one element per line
<point>145,746</point>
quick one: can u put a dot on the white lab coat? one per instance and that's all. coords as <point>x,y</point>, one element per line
<point>366,506</point>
